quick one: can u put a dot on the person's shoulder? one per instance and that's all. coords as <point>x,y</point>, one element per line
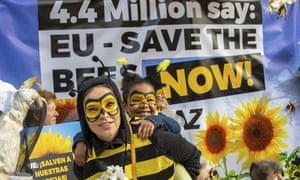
<point>5,86</point>
<point>6,94</point>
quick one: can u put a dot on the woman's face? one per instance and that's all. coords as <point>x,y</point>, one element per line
<point>102,112</point>
<point>141,101</point>
<point>52,114</point>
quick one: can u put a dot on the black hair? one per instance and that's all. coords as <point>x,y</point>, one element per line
<point>154,78</point>
<point>259,170</point>
<point>131,80</point>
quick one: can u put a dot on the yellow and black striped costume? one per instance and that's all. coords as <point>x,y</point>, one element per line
<point>150,158</point>
<point>150,162</point>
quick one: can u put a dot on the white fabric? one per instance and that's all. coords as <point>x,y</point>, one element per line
<point>6,95</point>
<point>11,124</point>
<point>20,178</point>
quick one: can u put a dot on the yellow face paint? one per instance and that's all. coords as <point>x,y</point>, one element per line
<point>159,92</point>
<point>138,98</point>
<point>94,107</point>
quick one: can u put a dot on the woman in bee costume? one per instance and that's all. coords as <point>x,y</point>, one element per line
<point>113,142</point>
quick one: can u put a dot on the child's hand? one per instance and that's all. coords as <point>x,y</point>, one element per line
<point>145,129</point>
<point>79,153</point>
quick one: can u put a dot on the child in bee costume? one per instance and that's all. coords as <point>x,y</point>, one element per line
<point>11,126</point>
<point>137,93</point>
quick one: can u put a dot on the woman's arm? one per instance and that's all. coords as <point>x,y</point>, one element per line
<point>179,149</point>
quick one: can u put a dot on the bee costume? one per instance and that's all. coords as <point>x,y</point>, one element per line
<point>148,159</point>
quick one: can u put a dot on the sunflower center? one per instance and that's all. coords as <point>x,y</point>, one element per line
<point>258,132</point>
<point>215,139</point>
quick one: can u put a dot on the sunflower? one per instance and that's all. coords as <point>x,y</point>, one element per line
<point>260,130</point>
<point>64,107</point>
<point>216,141</point>
<point>49,143</point>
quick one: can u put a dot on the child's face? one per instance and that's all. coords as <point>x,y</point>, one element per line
<point>161,100</point>
<point>204,174</point>
<point>274,176</point>
<point>141,101</point>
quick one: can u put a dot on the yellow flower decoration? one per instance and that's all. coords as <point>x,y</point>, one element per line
<point>39,85</point>
<point>49,143</point>
<point>163,65</point>
<point>122,61</point>
<point>64,107</point>
<point>216,141</point>
<point>279,6</point>
<point>259,131</point>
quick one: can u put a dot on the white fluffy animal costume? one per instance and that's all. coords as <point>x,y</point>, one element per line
<point>11,124</point>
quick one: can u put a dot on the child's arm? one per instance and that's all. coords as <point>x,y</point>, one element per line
<point>165,122</point>
<point>79,149</point>
<point>147,125</point>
